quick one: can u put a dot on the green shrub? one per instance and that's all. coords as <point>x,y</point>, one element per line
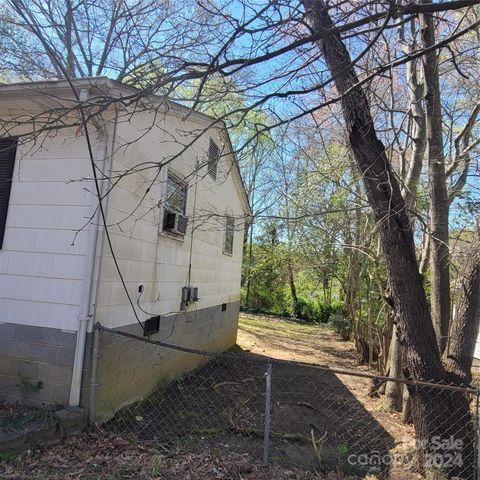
<point>316,312</point>
<point>326,311</point>
<point>341,324</point>
<point>305,310</point>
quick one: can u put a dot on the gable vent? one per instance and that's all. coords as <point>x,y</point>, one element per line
<point>213,157</point>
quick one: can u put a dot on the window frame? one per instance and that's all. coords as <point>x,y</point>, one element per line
<point>171,177</point>
<point>175,178</point>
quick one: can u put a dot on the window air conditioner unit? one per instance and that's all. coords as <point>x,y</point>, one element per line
<point>174,222</point>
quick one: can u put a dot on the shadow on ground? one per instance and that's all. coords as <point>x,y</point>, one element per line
<point>315,420</point>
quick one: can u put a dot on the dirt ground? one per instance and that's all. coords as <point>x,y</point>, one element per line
<point>223,402</point>
<point>317,344</point>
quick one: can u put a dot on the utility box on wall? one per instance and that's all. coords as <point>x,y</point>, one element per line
<point>189,296</point>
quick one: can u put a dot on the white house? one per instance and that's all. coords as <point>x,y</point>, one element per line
<point>175,207</point>
<point>476,357</point>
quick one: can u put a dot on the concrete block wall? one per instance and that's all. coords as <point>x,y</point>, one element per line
<point>129,370</point>
<point>36,354</point>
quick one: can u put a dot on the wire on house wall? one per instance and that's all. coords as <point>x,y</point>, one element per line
<point>84,124</point>
<point>100,204</point>
<point>189,278</point>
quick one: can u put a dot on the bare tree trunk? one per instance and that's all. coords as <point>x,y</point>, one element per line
<point>293,289</point>
<point>70,60</point>
<point>409,299</point>
<point>393,400</point>
<point>393,390</point>
<point>416,89</point>
<point>425,253</point>
<point>249,268</point>
<point>465,325</point>
<point>439,204</point>
<point>431,411</point>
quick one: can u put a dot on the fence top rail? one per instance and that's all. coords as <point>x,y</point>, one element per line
<point>278,361</point>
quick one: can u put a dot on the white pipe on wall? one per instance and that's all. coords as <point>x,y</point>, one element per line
<point>84,316</point>
<point>96,333</point>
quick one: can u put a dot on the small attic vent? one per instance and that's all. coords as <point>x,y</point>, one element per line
<point>213,157</point>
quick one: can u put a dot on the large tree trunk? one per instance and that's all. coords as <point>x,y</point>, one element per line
<point>413,317</point>
<point>465,325</point>
<point>439,203</point>
<point>432,410</point>
<point>416,88</point>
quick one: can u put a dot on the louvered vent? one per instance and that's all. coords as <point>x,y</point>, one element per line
<point>213,157</point>
<point>8,148</point>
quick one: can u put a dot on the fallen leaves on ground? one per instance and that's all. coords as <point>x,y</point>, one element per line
<point>95,455</point>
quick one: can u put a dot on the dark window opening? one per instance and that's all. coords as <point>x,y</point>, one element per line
<point>8,149</point>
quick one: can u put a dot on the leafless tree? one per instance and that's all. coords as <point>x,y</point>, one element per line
<point>293,59</point>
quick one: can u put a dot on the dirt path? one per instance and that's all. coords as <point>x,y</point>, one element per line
<point>318,344</point>
<point>289,340</point>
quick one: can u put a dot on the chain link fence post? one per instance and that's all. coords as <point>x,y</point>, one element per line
<point>266,422</point>
<point>92,396</point>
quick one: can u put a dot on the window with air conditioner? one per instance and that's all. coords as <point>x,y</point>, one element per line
<point>229,233</point>
<point>174,219</point>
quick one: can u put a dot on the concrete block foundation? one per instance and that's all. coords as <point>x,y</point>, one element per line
<point>130,370</point>
<point>36,362</point>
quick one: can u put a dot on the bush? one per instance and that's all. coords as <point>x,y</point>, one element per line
<point>342,325</point>
<point>316,312</point>
<point>326,311</point>
<point>305,310</point>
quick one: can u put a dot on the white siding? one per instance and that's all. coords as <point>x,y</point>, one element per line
<point>477,348</point>
<point>155,260</point>
<point>42,261</point>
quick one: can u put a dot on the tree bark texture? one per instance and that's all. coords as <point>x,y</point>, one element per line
<point>416,88</point>
<point>465,326</point>
<point>435,412</point>
<point>393,390</point>
<point>439,203</point>
<point>413,317</point>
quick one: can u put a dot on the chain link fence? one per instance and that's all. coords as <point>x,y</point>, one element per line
<point>296,413</point>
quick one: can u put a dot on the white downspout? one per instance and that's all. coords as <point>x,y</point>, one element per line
<point>84,316</point>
